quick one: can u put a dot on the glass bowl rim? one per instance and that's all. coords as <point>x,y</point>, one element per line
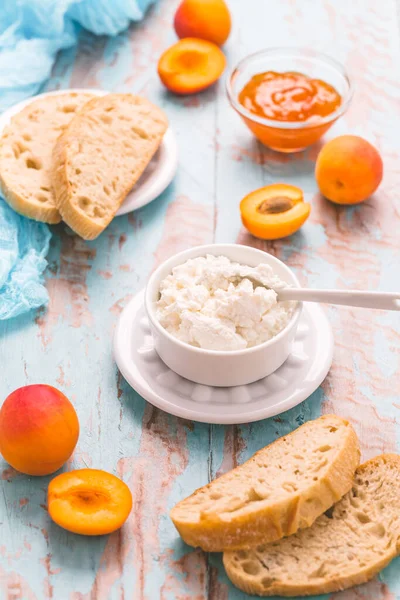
<point>296,52</point>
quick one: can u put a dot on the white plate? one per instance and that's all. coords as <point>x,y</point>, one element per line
<point>293,382</point>
<point>158,174</point>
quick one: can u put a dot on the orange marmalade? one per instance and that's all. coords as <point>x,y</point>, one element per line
<point>289,97</point>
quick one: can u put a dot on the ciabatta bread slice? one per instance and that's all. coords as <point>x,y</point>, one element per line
<point>100,157</point>
<point>282,488</point>
<point>347,546</point>
<point>26,148</point>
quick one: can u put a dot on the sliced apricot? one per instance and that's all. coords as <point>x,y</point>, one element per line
<point>89,501</point>
<point>274,211</point>
<point>191,65</point>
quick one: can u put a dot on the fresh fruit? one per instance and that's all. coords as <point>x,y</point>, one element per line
<point>191,65</point>
<point>89,501</point>
<point>348,169</point>
<point>274,211</point>
<point>39,429</point>
<point>206,19</point>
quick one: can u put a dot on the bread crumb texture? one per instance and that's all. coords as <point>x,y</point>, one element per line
<point>346,546</point>
<point>101,155</point>
<point>26,154</point>
<point>282,488</point>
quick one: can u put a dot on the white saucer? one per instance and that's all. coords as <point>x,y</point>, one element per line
<point>293,382</point>
<point>158,174</point>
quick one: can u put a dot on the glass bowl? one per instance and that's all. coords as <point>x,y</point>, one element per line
<point>289,136</point>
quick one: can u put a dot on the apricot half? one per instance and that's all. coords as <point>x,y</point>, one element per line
<point>274,211</point>
<point>348,169</point>
<point>89,501</point>
<point>39,429</point>
<point>206,19</point>
<point>191,65</point>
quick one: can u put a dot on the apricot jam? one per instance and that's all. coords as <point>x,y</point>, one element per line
<point>289,97</point>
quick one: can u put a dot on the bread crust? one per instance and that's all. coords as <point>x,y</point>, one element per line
<point>252,584</point>
<point>31,134</point>
<point>265,521</point>
<point>19,203</point>
<point>67,149</point>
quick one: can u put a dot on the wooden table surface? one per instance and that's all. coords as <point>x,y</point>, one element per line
<point>163,458</point>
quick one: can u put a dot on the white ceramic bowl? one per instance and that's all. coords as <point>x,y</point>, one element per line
<point>221,368</point>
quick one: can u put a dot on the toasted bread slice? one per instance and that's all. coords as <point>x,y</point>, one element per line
<point>282,488</point>
<point>347,546</point>
<point>26,150</point>
<point>101,155</point>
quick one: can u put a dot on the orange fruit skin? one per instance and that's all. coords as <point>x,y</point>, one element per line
<point>278,225</point>
<point>89,501</point>
<point>39,429</point>
<point>190,66</point>
<point>348,170</point>
<point>205,19</point>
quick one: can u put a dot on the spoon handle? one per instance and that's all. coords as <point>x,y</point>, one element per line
<point>382,300</point>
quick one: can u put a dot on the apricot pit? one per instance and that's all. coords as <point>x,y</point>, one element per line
<point>275,205</point>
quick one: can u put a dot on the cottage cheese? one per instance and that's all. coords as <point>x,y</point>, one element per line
<point>203,304</point>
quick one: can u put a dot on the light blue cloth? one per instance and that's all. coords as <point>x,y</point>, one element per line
<point>33,31</point>
<point>23,247</point>
<point>31,34</point>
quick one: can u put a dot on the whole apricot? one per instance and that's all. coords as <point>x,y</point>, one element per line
<point>89,501</point>
<point>39,429</point>
<point>205,19</point>
<point>348,170</point>
<point>190,66</point>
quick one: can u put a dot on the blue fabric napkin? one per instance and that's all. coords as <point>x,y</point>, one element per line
<point>31,34</point>
<point>23,247</point>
